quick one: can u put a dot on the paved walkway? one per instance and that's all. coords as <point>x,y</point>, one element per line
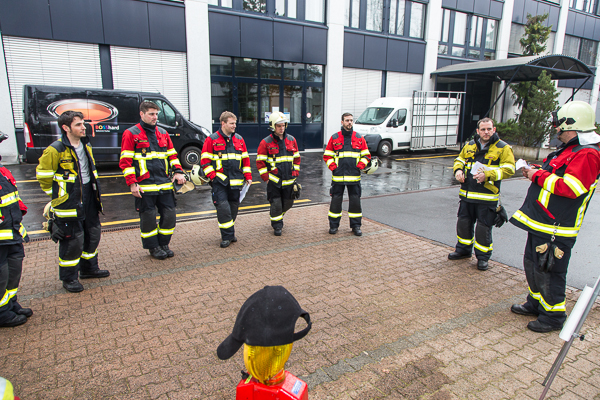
<point>392,319</point>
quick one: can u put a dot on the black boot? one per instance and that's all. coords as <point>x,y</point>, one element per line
<point>167,250</point>
<point>10,319</point>
<point>158,253</point>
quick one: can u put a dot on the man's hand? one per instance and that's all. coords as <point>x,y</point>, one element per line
<point>528,173</point>
<point>249,182</point>
<point>179,177</point>
<point>136,190</point>
<point>460,176</point>
<point>480,177</point>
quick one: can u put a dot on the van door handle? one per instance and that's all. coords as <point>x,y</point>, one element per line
<point>405,128</point>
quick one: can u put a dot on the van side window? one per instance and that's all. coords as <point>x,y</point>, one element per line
<point>399,116</point>
<point>167,115</point>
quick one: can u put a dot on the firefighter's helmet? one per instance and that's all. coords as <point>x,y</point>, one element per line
<point>6,390</point>
<point>576,116</point>
<point>185,187</point>
<point>372,166</point>
<point>198,176</point>
<point>278,118</point>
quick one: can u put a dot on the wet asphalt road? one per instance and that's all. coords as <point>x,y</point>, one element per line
<point>400,172</point>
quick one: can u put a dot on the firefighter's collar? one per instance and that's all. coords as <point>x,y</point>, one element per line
<point>589,137</point>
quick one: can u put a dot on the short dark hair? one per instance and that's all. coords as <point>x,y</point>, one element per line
<point>148,105</point>
<point>485,120</point>
<point>67,118</point>
<point>344,115</point>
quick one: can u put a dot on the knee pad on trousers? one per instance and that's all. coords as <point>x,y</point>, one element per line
<point>168,218</point>
<point>71,249</point>
<point>148,220</point>
<point>93,237</point>
<point>464,228</point>
<point>483,234</point>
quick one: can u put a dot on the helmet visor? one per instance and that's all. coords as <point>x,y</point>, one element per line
<point>556,122</point>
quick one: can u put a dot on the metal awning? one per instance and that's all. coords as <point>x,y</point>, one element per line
<point>518,69</point>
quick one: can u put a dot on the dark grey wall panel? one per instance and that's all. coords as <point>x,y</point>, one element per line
<point>167,27</point>
<point>416,58</point>
<point>544,8</point>
<point>375,52</point>
<point>257,38</point>
<point>125,23</point>
<point>397,55</point>
<point>579,24</point>
<point>288,42</point>
<point>465,5</point>
<point>29,18</point>
<point>496,9</point>
<point>354,45</point>
<point>443,62</point>
<point>597,30</point>
<point>449,3</point>
<point>518,8</point>
<point>77,21</point>
<point>588,30</point>
<point>571,23</point>
<point>531,7</point>
<point>481,7</point>
<point>553,17</point>
<point>106,66</point>
<point>315,46</point>
<point>224,32</point>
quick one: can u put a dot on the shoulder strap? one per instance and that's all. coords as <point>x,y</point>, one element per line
<point>500,144</point>
<point>586,146</point>
<point>59,146</point>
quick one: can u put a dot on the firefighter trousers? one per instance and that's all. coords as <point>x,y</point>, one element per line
<point>11,266</point>
<point>546,289</point>
<point>281,201</point>
<point>152,235</point>
<point>480,236</point>
<point>78,251</point>
<point>354,207</point>
<point>227,202</point>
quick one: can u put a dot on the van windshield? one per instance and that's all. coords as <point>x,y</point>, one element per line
<point>374,115</point>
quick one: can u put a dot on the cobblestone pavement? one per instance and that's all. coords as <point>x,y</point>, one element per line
<point>392,319</point>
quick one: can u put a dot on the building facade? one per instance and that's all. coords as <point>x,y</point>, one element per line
<point>312,59</point>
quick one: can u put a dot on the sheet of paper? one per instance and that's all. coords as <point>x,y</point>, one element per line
<point>522,164</point>
<point>244,191</point>
<point>478,167</point>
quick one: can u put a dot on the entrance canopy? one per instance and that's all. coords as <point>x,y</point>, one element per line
<point>518,69</point>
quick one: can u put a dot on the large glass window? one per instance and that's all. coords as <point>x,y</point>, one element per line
<point>583,49</point>
<point>255,5</point>
<point>246,67</point>
<point>285,8</point>
<point>406,18</point>
<point>293,71</point>
<point>247,102</point>
<point>468,36</point>
<point>314,10</point>
<point>314,104</point>
<point>221,98</point>
<point>314,73</point>
<point>270,70</point>
<point>588,6</point>
<point>374,15</point>
<point>292,103</point>
<point>220,65</point>
<point>417,20</point>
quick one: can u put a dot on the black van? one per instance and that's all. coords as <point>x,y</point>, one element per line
<point>108,113</point>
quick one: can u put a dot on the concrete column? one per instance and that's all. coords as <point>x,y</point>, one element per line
<point>502,45</point>
<point>198,62</point>
<point>432,37</point>
<point>559,38</point>
<point>335,68</point>
<point>8,148</point>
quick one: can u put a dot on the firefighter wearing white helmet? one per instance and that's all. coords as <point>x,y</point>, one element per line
<point>553,211</point>
<point>278,163</point>
<point>6,390</point>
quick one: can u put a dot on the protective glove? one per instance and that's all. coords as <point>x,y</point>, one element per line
<point>56,233</point>
<point>361,165</point>
<point>332,166</point>
<point>501,217</point>
<point>295,173</point>
<point>297,188</point>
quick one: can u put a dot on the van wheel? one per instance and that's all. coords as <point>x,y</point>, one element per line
<point>190,156</point>
<point>384,149</point>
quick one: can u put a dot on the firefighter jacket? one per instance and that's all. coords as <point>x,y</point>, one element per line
<point>497,156</point>
<point>12,210</point>
<point>225,159</point>
<point>560,192</point>
<point>278,160</point>
<point>346,158</point>
<point>147,159</point>
<point>59,175</point>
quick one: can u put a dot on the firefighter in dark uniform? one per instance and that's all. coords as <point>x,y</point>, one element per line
<point>346,155</point>
<point>147,157</point>
<point>553,212</point>
<point>12,236</point>
<point>226,163</point>
<point>480,191</point>
<point>67,172</point>
<point>278,163</point>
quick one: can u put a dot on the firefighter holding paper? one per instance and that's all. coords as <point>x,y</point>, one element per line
<point>480,192</point>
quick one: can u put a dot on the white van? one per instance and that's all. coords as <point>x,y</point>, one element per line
<point>428,120</point>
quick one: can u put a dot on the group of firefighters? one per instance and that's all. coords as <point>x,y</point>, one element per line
<point>551,214</point>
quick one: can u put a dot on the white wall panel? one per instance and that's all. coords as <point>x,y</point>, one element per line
<point>152,71</point>
<point>359,88</point>
<point>402,85</point>
<point>48,62</point>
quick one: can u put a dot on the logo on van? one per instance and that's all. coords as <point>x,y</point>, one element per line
<point>92,110</point>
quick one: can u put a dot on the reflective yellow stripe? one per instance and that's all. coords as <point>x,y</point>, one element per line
<point>245,154</point>
<point>364,152</point>
<point>12,293</point>
<point>583,206</point>
<point>146,235</point>
<point>208,169</point>
<point>61,178</point>
<point>544,197</point>
<point>331,160</point>
<point>22,231</point>
<point>246,170</point>
<point>207,155</point>
<point>143,167</point>
<point>550,182</point>
<point>156,188</point>
<point>174,162</point>
<point>89,256</point>
<point>236,182</point>
<point>277,218</point>
<point>6,234</point>
<point>151,155</point>
<point>545,228</point>
<point>575,184</point>
<point>72,213</point>
<point>466,242</point>
<point>127,154</point>
<point>345,178</point>
<point>479,196</point>
<point>510,166</point>
<point>171,152</point>
<point>273,178</point>
<point>263,171</point>
<point>166,231</point>
<point>329,153</point>
<point>483,248</point>
<point>288,182</point>
<point>348,154</point>
<point>129,171</point>
<point>296,167</point>
<point>67,263</point>
<point>95,174</point>
<point>354,215</point>
<point>9,199</point>
<point>364,161</point>
<point>334,215</point>
<point>261,157</point>
<point>222,176</point>
<point>226,225</point>
<point>560,307</point>
<point>5,298</point>
<point>44,173</point>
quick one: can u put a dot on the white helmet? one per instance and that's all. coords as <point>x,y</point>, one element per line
<point>278,118</point>
<point>198,176</point>
<point>372,166</point>
<point>185,187</point>
<point>575,116</point>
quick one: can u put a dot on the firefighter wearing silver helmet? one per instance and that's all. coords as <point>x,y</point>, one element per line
<point>278,163</point>
<point>553,212</point>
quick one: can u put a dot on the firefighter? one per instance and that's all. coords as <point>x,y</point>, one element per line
<point>147,157</point>
<point>226,163</point>
<point>12,236</point>
<point>553,212</point>
<point>346,155</point>
<point>480,191</point>
<point>278,163</point>
<point>67,173</point>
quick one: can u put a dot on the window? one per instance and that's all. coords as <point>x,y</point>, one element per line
<point>255,5</point>
<point>166,114</point>
<point>314,10</point>
<point>588,6</point>
<point>270,70</point>
<point>374,115</point>
<point>468,36</point>
<point>399,118</point>
<point>221,99</point>
<point>374,15</point>
<point>583,49</point>
<point>220,65</point>
<point>407,18</point>
<point>285,8</point>
<point>517,31</point>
